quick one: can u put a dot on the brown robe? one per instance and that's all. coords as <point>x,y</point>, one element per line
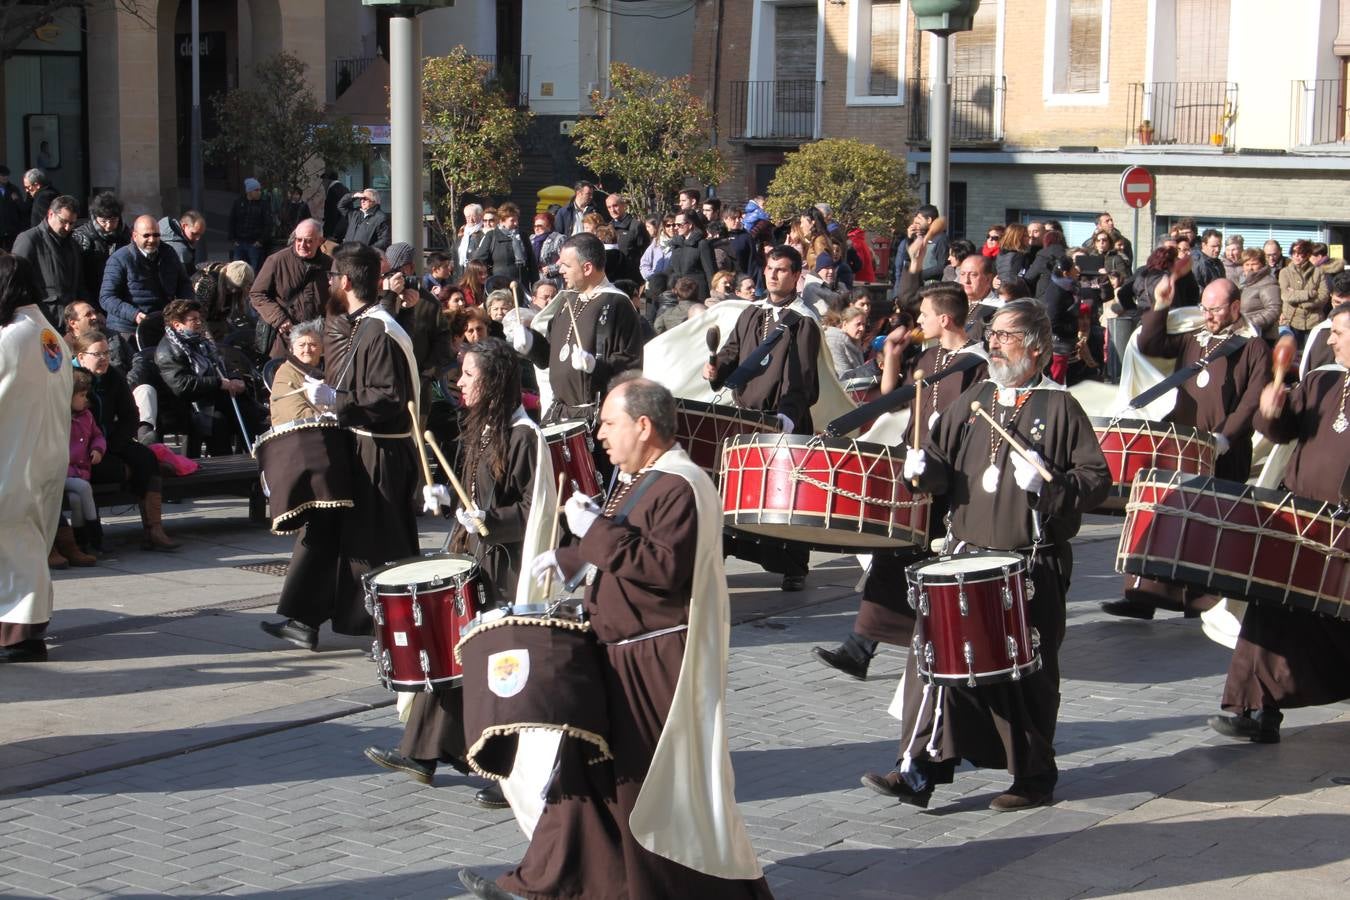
<point>1288,657</point>
<point>1007,724</point>
<point>618,349</point>
<point>582,845</point>
<point>788,382</point>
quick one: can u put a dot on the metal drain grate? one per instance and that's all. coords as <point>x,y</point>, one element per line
<point>271,568</point>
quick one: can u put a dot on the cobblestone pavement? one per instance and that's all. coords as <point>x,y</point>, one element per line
<point>1149,800</point>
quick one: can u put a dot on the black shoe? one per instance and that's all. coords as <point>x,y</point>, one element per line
<point>298,633</point>
<point>24,651</point>
<point>1129,609</point>
<point>491,797</point>
<point>794,583</point>
<point>1260,728</point>
<point>1016,798</point>
<point>893,784</point>
<point>842,660</point>
<point>419,771</point>
<point>484,887</point>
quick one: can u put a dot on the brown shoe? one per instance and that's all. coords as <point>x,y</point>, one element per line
<point>66,546</point>
<point>153,525</point>
<point>893,784</point>
<point>55,561</point>
<point>1009,801</point>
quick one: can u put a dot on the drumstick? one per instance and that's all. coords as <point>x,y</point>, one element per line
<point>918,403</point>
<point>553,534</point>
<point>1012,441</point>
<point>1282,356</point>
<point>421,450</point>
<point>714,338</point>
<point>454,482</point>
<point>515,293</point>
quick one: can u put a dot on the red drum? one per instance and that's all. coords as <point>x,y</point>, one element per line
<point>1131,445</point>
<point>701,428</point>
<point>1237,540</point>
<point>570,445</point>
<point>526,669</point>
<point>420,606</point>
<point>828,493</point>
<point>972,624</point>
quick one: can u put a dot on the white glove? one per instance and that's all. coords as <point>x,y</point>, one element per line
<point>1221,445</point>
<point>581,513</point>
<point>786,424</point>
<point>319,394</point>
<point>435,496</point>
<point>543,564</point>
<point>471,518</point>
<point>583,361</point>
<point>915,463</point>
<point>1025,473</point>
<point>521,338</point>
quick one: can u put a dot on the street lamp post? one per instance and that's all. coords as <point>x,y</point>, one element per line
<point>942,18</point>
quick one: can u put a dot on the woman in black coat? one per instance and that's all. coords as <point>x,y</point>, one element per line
<point>1038,271</point>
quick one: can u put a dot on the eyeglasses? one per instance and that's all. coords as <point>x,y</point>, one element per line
<point>69,223</point>
<point>1214,310</point>
<point>150,234</point>
<point>539,226</point>
<point>102,354</point>
<point>1005,337</point>
<point>668,225</point>
<point>992,237</point>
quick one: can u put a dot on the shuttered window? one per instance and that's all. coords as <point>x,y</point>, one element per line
<point>883,74</point>
<point>1081,72</point>
<point>1202,40</point>
<point>973,53</point>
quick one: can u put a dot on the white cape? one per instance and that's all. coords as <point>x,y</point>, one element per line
<point>35,379</point>
<point>686,810</point>
<point>675,359</point>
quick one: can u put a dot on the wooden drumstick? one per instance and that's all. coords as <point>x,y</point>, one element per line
<point>553,534</point>
<point>714,338</point>
<point>454,482</point>
<point>918,403</point>
<point>421,449</point>
<point>515,293</point>
<point>975,407</point>
<point>1282,357</point>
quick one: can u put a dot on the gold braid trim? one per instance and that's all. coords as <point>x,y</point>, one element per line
<point>289,514</point>
<point>569,624</point>
<point>602,752</point>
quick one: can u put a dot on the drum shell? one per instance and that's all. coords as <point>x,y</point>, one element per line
<point>762,496</point>
<point>701,428</point>
<point>1133,445</point>
<point>423,618</point>
<point>1237,540</point>
<point>307,465</point>
<point>975,628</point>
<point>570,447</point>
<point>562,689</point>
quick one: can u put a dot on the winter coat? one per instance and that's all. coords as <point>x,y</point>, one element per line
<point>85,440</point>
<point>1261,303</point>
<point>632,239</point>
<point>1010,264</point>
<point>289,290</point>
<point>1304,293</point>
<point>114,409</point>
<point>692,255</point>
<point>334,219</point>
<point>568,217</point>
<point>134,283</point>
<point>56,261</point>
<point>171,235</point>
<point>1038,270</point>
<point>185,383</point>
<point>1206,269</point>
<point>497,250</point>
<point>250,221</point>
<point>96,246</point>
<point>845,352</point>
<point>42,201</point>
<point>656,258</point>
<point>372,228</point>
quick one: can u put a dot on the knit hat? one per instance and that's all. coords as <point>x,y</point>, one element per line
<point>252,184</point>
<point>237,275</point>
<point>398,255</point>
<point>824,261</point>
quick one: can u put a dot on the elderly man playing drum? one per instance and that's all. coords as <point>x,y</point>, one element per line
<point>1286,656</point>
<point>1021,505</point>
<point>661,821</point>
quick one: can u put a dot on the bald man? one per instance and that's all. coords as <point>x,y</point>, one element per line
<point>141,279</point>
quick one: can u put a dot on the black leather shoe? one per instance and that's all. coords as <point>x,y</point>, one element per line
<point>893,784</point>
<point>1129,609</point>
<point>389,759</point>
<point>842,660</point>
<point>298,633</point>
<point>485,887</point>
<point>491,797</point>
<point>794,583</point>
<point>1015,799</point>
<point>24,651</point>
<point>1262,728</point>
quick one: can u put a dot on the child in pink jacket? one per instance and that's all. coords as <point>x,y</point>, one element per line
<point>87,447</point>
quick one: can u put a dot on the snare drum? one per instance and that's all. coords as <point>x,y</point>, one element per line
<point>973,625</point>
<point>1237,540</point>
<point>701,428</point>
<point>529,669</point>
<point>306,465</point>
<point>570,445</point>
<point>1132,445</point>
<point>828,493</point>
<point>420,606</point>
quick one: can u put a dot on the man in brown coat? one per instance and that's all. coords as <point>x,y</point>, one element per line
<point>292,286</point>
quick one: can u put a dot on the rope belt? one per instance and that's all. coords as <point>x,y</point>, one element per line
<point>400,435</point>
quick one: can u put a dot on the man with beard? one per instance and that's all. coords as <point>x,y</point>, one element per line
<point>54,256</point>
<point>291,287</point>
<point>1222,400</point>
<point>1000,501</point>
<point>884,615</point>
<point>369,391</point>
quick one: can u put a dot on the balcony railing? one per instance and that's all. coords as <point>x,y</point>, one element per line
<point>774,110</point>
<point>347,69</point>
<point>1319,113</point>
<point>511,73</point>
<point>1198,113</point>
<point>977,109</point>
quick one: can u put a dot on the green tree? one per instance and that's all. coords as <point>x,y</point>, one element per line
<point>277,129</point>
<point>472,128</point>
<point>652,134</point>
<point>864,184</point>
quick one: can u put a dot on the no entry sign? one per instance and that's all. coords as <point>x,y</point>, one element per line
<point>1136,187</point>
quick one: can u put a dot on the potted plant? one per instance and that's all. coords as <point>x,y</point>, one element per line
<point>1145,132</point>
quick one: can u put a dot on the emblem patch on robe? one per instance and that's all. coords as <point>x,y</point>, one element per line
<point>507,672</point>
<point>51,350</point>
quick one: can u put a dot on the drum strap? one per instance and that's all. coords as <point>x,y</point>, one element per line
<point>1232,345</point>
<point>751,366</point>
<point>620,517</point>
<point>897,398</point>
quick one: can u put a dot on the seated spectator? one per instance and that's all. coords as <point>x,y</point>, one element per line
<point>721,288</point>
<point>288,400</point>
<point>675,309</point>
<point>845,339</point>
<point>98,239</point>
<point>141,279</point>
<point>745,287</point>
<point>820,290</point>
<point>87,449</point>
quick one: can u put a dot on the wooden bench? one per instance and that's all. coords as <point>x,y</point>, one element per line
<point>235,475</point>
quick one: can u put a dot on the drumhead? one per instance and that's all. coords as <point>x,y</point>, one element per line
<point>785,442</point>
<point>725,411</point>
<point>965,564</point>
<point>420,571</point>
<point>1148,426</point>
<point>564,429</point>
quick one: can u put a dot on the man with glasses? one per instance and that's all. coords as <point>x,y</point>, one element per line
<point>55,257</point>
<point>629,231</point>
<point>1222,399</point>
<point>41,193</point>
<point>104,234</point>
<point>291,287</point>
<point>975,274</point>
<point>1000,501</point>
<point>140,280</point>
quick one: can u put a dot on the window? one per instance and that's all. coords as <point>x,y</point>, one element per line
<point>1076,51</point>
<point>876,52</point>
